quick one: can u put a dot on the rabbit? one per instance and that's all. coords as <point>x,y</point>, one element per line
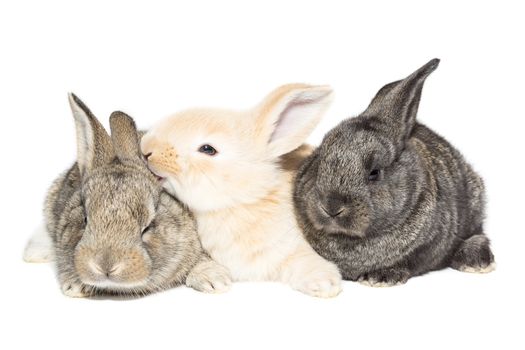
<point>110,226</point>
<point>234,171</point>
<point>386,198</point>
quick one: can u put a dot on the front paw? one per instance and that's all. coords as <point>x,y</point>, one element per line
<point>478,268</point>
<point>325,283</point>
<point>384,278</point>
<point>74,290</point>
<point>209,277</point>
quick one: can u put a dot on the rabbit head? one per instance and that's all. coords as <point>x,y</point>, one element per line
<point>214,159</point>
<point>354,181</point>
<point>128,232</point>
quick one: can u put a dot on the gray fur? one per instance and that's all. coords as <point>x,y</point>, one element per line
<point>109,211</point>
<point>424,211</point>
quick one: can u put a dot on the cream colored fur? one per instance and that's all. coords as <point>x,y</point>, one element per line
<point>39,249</point>
<point>241,197</point>
<point>478,269</point>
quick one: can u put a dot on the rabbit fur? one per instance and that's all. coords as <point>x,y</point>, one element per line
<point>110,227</point>
<point>241,193</point>
<point>386,198</point>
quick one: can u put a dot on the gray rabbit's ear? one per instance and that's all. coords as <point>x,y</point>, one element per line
<point>124,136</point>
<point>397,103</point>
<point>94,146</point>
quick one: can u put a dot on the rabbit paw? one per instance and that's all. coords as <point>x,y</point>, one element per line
<point>384,278</point>
<point>474,256</point>
<point>321,284</point>
<point>478,268</point>
<point>39,249</point>
<point>209,277</point>
<point>73,290</point>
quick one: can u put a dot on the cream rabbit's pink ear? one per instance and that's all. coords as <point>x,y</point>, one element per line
<point>288,115</point>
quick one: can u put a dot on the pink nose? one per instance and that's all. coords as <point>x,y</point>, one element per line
<point>104,268</point>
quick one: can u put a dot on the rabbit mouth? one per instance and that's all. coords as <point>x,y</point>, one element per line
<point>111,285</point>
<point>155,173</point>
<point>333,228</point>
<point>340,222</point>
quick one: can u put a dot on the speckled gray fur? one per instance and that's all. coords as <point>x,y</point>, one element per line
<point>97,213</point>
<point>421,210</point>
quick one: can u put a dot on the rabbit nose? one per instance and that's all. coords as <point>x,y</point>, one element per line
<point>334,212</point>
<point>105,269</point>
<point>147,155</point>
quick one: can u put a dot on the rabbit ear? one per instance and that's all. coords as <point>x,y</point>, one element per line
<point>124,136</point>
<point>289,114</point>
<point>397,103</point>
<point>94,146</point>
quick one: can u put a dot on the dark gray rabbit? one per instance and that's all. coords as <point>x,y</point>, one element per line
<point>386,198</point>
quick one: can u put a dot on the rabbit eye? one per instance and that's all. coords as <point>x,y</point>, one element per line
<point>145,230</point>
<point>85,220</point>
<point>207,149</point>
<point>374,175</point>
<point>146,233</point>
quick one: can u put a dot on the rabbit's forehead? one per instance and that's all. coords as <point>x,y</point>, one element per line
<point>354,149</point>
<point>115,192</point>
<point>197,124</point>
<point>126,182</point>
<point>118,216</point>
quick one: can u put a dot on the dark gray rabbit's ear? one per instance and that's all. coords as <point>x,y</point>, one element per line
<point>94,147</point>
<point>125,136</point>
<point>397,103</point>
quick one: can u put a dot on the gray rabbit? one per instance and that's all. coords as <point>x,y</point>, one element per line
<point>109,225</point>
<point>386,198</point>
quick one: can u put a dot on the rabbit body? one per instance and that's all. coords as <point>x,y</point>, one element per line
<point>111,228</point>
<point>258,241</point>
<point>386,198</point>
<point>234,170</point>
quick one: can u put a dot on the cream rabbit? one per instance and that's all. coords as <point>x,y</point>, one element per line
<point>224,165</point>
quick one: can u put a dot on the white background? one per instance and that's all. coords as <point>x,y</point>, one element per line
<point>158,57</point>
